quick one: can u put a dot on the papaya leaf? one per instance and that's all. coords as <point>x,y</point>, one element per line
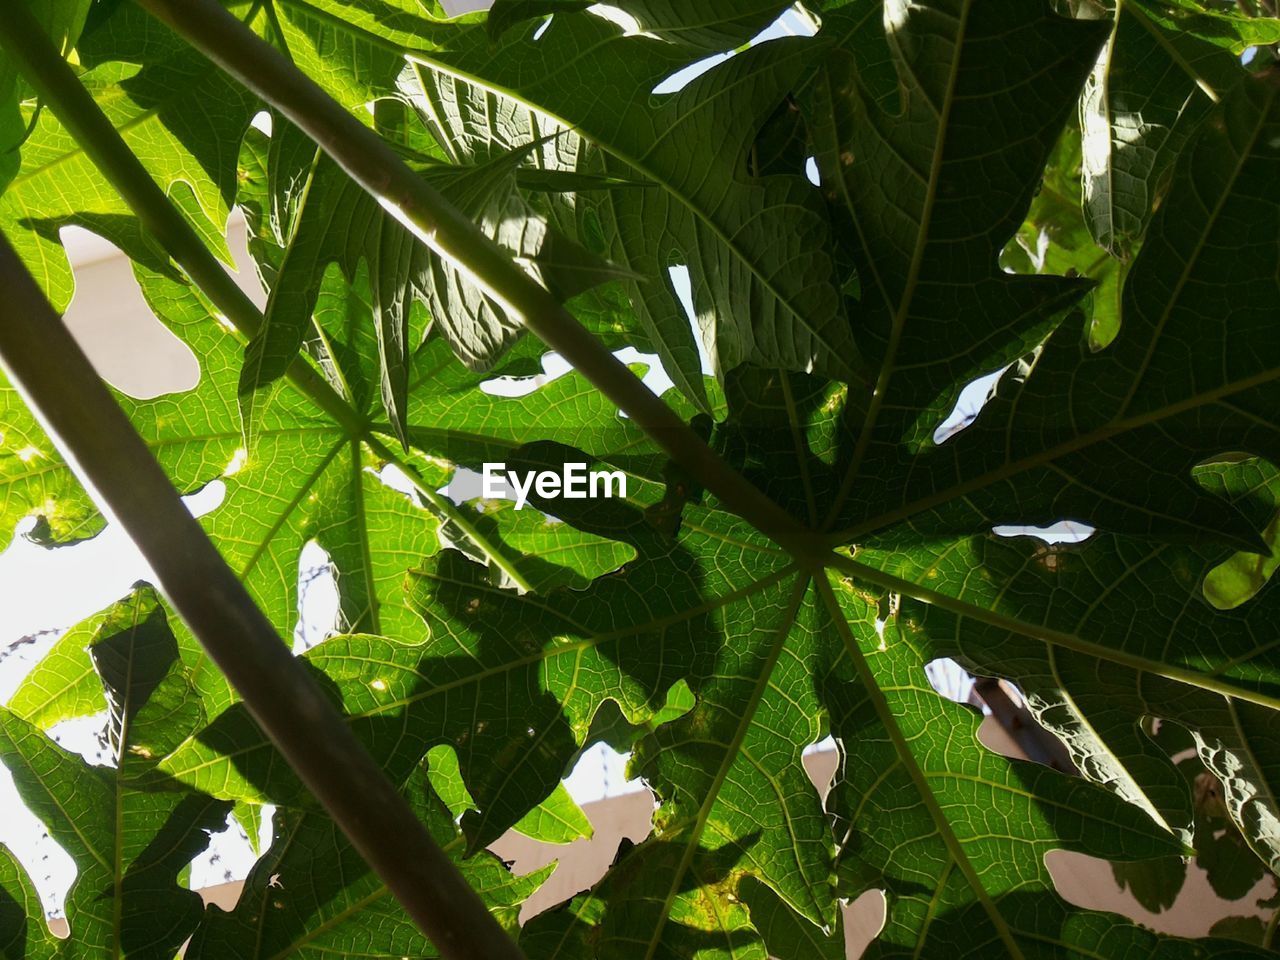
<point>761,292</point>
<point>128,844</point>
<point>310,895</point>
<point>959,270</point>
<point>182,118</point>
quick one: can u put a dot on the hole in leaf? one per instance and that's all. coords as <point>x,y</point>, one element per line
<point>318,601</point>
<point>864,920</point>
<point>686,75</point>
<point>624,818</point>
<point>555,366</point>
<point>821,763</point>
<point>86,736</point>
<point>1090,882</point>
<point>968,405</point>
<point>950,679</point>
<point>446,780</point>
<point>103,568</point>
<point>682,287</point>
<point>600,773</point>
<point>128,346</point>
<point>1063,531</point>
<point>229,856</point>
<point>792,23</point>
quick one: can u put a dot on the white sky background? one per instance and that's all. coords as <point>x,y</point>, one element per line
<point>42,592</point>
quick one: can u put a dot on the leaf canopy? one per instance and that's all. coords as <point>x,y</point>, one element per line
<point>1083,208</point>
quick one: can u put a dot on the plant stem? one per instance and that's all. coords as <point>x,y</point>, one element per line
<point>62,388</point>
<point>59,88</point>
<point>375,166</point>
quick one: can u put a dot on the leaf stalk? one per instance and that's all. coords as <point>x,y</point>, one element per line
<point>60,385</point>
<point>22,38</point>
<point>374,165</point>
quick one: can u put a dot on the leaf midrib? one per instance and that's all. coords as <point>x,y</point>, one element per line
<point>1147,804</point>
<point>638,164</point>
<point>964,608</point>
<point>128,126</point>
<point>508,666</point>
<point>1101,434</point>
<point>315,932</point>
<point>905,301</point>
<point>424,57</point>
<point>1120,424</point>
<point>918,778</point>
<point>732,749</point>
<point>1184,275</point>
<point>117,861</point>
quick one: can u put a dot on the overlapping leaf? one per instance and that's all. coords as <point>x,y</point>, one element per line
<point>933,123</point>
<point>1118,629</point>
<point>511,683</point>
<point>62,20</point>
<point>312,896</point>
<point>1230,28</point>
<point>720,25</point>
<point>129,846</point>
<point>1144,98</point>
<point>977,825</point>
<point>183,120</point>
<point>764,286</point>
<point>302,479</point>
<point>1055,239</point>
<point>317,216</point>
<point>1191,374</point>
<point>934,179</point>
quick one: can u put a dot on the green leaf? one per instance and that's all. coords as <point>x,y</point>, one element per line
<point>311,895</point>
<point>64,683</point>
<point>1222,26</point>
<point>913,171</point>
<point>63,21</point>
<point>180,116</point>
<point>23,931</point>
<point>36,482</point>
<point>1150,89</point>
<point>302,479</point>
<point>1190,376</point>
<point>128,845</point>
<point>1241,576</point>
<point>1116,274</point>
<point>977,825</point>
<point>318,216</point>
<point>742,740</point>
<point>764,287</point>
<point>151,702</point>
<point>1156,647</point>
<point>558,819</point>
<point>514,660</point>
<point>1055,239</point>
<point>354,50</point>
<point>720,25</point>
<point>554,553</point>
